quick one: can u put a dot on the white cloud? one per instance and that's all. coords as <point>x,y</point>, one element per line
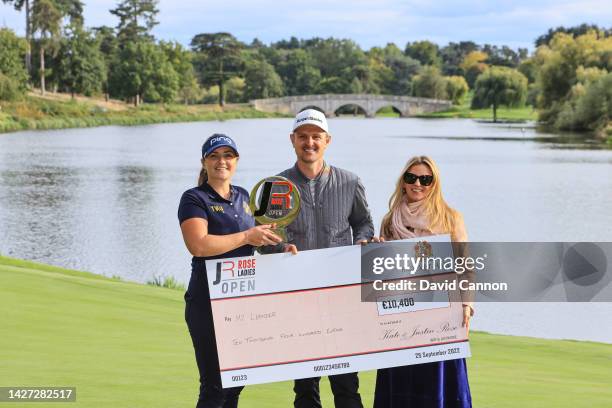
<point>368,22</point>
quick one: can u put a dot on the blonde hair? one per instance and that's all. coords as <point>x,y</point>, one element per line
<point>203,177</point>
<point>441,217</point>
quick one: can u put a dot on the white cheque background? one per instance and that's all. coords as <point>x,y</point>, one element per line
<point>322,268</point>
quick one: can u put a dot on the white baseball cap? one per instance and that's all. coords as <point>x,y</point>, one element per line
<point>311,117</point>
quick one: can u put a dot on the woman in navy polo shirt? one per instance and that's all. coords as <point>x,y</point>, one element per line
<point>216,223</point>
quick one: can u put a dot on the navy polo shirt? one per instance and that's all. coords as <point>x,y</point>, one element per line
<point>223,216</point>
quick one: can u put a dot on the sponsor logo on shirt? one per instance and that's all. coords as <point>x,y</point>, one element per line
<point>217,208</point>
<point>246,208</point>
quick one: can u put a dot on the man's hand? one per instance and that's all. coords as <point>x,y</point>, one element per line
<point>365,241</point>
<point>290,248</point>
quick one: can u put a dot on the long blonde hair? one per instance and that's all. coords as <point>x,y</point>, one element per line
<point>441,217</point>
<point>203,177</point>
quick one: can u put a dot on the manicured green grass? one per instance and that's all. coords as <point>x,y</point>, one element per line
<point>463,110</point>
<point>503,113</point>
<point>37,113</point>
<point>124,344</point>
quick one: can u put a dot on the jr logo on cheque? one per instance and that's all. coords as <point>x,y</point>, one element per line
<point>236,276</point>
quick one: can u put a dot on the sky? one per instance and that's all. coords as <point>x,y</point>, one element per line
<point>367,22</point>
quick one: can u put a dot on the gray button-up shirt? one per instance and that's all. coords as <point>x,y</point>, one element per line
<point>333,212</point>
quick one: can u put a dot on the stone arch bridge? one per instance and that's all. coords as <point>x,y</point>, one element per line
<point>370,104</point>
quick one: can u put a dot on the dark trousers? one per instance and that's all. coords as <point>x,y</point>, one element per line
<point>198,316</point>
<point>344,387</point>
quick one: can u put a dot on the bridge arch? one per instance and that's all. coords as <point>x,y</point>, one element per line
<point>389,107</point>
<point>350,108</point>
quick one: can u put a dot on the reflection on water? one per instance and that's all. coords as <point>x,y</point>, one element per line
<point>105,199</point>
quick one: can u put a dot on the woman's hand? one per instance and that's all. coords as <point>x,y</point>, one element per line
<point>467,315</point>
<point>262,235</point>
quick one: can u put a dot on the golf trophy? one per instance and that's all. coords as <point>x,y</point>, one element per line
<point>275,200</point>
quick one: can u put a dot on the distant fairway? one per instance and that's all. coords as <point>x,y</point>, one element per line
<point>126,345</point>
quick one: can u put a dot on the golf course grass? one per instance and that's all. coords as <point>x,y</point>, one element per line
<point>125,344</point>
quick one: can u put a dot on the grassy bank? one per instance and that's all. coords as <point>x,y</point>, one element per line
<point>126,345</point>
<point>463,110</point>
<point>59,111</point>
<point>503,114</point>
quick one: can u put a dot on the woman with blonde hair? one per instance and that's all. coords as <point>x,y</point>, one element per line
<point>417,208</point>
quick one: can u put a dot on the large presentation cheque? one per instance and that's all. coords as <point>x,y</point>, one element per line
<point>280,317</point>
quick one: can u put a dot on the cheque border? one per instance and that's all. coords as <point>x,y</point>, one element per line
<point>363,353</point>
<point>342,365</point>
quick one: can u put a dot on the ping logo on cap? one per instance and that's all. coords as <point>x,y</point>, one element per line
<point>221,139</point>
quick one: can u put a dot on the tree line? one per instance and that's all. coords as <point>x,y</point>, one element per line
<point>567,78</point>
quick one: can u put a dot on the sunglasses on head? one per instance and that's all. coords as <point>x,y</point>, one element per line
<point>410,178</point>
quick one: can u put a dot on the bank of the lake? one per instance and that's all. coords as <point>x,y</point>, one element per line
<point>124,344</point>
<point>504,114</point>
<point>59,111</point>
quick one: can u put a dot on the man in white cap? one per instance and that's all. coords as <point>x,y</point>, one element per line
<point>333,213</point>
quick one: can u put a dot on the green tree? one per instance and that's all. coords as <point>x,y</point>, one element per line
<point>528,67</point>
<point>143,73</point>
<point>234,90</point>
<point>429,84</point>
<point>73,10</point>
<point>426,52</point>
<point>211,95</point>
<point>456,88</point>
<point>575,31</point>
<point>333,85</point>
<point>136,20</point>
<point>356,86</point>
<point>503,56</point>
<point>26,6</point>
<point>109,48</point>
<point>181,59</point>
<point>370,75</point>
<point>261,80</point>
<point>334,57</point>
<point>473,65</point>
<point>453,55</point>
<point>81,68</point>
<point>558,65</point>
<point>499,86</point>
<point>401,67</point>
<point>298,72</point>
<point>591,108</point>
<point>221,56</point>
<point>13,75</point>
<point>46,20</point>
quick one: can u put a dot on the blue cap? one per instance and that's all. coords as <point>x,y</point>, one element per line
<point>216,141</point>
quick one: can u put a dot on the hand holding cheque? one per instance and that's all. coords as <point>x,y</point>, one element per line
<point>280,317</point>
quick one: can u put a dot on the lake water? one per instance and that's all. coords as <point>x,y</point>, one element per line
<point>104,199</point>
